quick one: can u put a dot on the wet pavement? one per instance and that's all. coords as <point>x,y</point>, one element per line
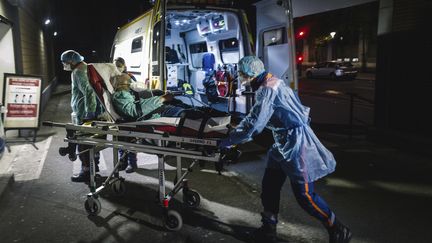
<point>383,193</point>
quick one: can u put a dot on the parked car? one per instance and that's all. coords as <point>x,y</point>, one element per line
<point>333,70</point>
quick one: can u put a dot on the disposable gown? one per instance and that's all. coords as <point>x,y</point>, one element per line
<point>124,104</point>
<point>300,154</point>
<point>83,98</point>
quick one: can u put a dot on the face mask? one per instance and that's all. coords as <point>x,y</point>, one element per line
<point>243,79</point>
<point>120,69</point>
<point>67,67</point>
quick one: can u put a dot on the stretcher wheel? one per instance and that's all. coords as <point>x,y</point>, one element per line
<point>191,198</point>
<point>72,157</point>
<point>118,187</point>
<point>63,151</point>
<point>173,221</point>
<point>92,206</point>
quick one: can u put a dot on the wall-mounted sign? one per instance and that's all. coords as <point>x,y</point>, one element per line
<point>21,98</point>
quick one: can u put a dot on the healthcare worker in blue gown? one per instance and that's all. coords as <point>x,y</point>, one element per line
<point>297,153</point>
<point>85,106</point>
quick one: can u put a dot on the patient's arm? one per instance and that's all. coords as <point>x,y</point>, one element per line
<point>138,86</point>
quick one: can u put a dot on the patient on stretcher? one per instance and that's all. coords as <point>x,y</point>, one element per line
<point>133,108</point>
<point>131,102</point>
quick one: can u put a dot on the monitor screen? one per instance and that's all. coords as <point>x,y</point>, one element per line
<point>218,23</point>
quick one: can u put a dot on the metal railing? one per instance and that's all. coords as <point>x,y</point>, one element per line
<point>352,99</point>
<point>352,118</point>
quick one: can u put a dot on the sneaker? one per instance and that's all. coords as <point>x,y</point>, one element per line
<point>267,231</point>
<point>130,169</point>
<point>339,233</point>
<point>83,176</point>
<point>265,234</point>
<point>132,163</point>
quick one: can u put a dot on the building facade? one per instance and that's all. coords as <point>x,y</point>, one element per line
<point>347,34</point>
<point>26,42</point>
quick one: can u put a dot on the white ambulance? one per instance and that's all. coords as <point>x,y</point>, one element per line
<point>202,44</point>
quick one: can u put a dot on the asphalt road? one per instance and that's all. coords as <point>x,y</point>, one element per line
<point>333,101</point>
<point>382,193</point>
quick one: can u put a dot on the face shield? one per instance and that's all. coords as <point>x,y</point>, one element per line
<point>120,64</point>
<point>120,68</point>
<point>249,67</point>
<point>243,78</point>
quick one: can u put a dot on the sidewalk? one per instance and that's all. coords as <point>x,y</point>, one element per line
<point>360,76</point>
<point>20,160</point>
<point>366,76</point>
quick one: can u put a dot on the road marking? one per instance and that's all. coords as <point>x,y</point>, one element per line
<point>45,153</point>
<point>26,162</point>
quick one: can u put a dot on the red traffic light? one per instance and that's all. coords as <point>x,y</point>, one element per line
<point>299,59</point>
<point>302,32</point>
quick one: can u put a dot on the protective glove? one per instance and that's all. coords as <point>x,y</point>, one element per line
<point>225,144</point>
<point>89,116</point>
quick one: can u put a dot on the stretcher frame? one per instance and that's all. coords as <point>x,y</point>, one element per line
<point>197,149</point>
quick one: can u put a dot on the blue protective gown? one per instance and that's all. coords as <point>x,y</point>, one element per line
<point>83,98</point>
<point>302,156</point>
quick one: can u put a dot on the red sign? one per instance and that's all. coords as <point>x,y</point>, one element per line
<point>22,101</point>
<point>20,110</point>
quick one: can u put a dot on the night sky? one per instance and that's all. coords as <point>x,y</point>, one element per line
<point>91,25</point>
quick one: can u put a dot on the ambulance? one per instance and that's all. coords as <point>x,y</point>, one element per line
<point>199,45</point>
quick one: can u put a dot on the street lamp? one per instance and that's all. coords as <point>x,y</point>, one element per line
<point>332,34</point>
<point>47,21</point>
<point>55,33</point>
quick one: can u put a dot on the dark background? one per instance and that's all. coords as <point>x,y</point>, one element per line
<point>89,27</point>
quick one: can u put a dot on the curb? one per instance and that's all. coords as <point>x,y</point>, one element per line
<point>403,141</point>
<point>6,181</point>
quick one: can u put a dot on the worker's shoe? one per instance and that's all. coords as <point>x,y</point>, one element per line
<point>131,167</point>
<point>267,232</point>
<point>339,233</point>
<point>83,176</point>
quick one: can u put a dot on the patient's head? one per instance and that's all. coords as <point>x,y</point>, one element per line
<point>121,82</point>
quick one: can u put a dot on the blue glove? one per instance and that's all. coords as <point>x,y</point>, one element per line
<point>89,116</point>
<point>225,144</point>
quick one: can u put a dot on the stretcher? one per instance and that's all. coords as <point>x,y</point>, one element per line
<point>179,137</point>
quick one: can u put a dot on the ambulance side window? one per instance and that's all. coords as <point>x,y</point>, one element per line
<point>229,50</point>
<point>155,50</point>
<point>197,51</point>
<point>274,37</point>
<point>137,44</point>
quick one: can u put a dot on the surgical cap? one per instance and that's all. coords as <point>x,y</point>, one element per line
<point>120,60</point>
<point>71,56</point>
<point>252,66</point>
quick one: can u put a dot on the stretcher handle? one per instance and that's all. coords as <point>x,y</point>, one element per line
<point>175,93</point>
<point>53,124</point>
